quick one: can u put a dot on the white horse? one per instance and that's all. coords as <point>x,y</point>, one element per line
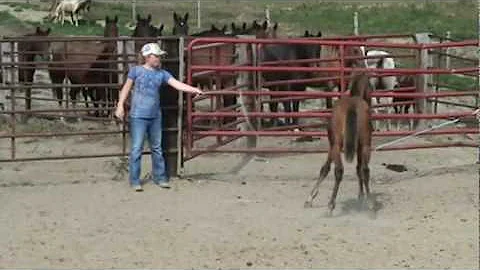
<point>384,83</point>
<point>73,7</point>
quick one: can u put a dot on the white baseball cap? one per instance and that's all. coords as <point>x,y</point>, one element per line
<point>152,48</point>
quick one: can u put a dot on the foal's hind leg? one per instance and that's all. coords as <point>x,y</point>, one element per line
<point>365,173</point>
<point>323,174</point>
<point>361,193</point>
<point>338,177</point>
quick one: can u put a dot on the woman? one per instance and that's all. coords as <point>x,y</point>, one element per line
<point>145,115</point>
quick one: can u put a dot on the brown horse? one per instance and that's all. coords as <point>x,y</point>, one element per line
<point>218,55</point>
<point>28,49</point>
<point>86,52</point>
<point>349,129</point>
<point>143,28</point>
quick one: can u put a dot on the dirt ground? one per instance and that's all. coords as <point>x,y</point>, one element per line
<point>225,213</point>
<point>228,212</point>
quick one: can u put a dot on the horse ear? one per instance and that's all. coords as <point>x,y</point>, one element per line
<point>161,27</point>
<point>213,28</point>
<point>275,26</point>
<point>48,31</point>
<point>224,29</point>
<point>233,26</point>
<point>186,16</point>
<point>175,16</point>
<point>115,20</point>
<point>149,18</point>
<point>319,34</point>
<point>38,30</point>
<point>244,25</point>
<point>306,34</point>
<point>107,19</point>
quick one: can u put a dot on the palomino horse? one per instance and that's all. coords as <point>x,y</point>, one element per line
<point>284,52</point>
<point>87,53</point>
<point>28,49</point>
<point>349,129</point>
<point>381,83</point>
<point>73,7</point>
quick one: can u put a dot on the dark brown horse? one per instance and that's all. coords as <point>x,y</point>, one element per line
<point>243,30</point>
<point>28,49</point>
<point>218,55</point>
<point>88,53</point>
<point>144,28</point>
<point>284,52</point>
<point>349,130</point>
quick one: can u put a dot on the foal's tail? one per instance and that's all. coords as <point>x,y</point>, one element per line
<point>350,136</point>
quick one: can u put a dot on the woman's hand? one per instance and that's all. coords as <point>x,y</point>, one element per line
<point>198,91</point>
<point>119,112</point>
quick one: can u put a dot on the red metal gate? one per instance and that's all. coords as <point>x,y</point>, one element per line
<point>212,135</point>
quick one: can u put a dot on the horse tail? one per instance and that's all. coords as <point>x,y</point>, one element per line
<point>350,138</point>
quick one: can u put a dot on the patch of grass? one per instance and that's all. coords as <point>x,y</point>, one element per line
<point>85,28</point>
<point>22,6</point>
<point>332,18</point>
<point>8,19</point>
<point>459,83</point>
<point>337,18</point>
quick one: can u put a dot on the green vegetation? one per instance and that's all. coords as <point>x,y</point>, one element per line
<point>332,18</point>
<point>400,18</point>
<point>458,82</point>
<point>8,19</point>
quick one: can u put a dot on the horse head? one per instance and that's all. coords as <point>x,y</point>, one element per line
<point>32,47</point>
<point>180,24</point>
<point>356,57</point>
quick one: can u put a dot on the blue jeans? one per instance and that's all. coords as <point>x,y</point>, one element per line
<point>152,127</point>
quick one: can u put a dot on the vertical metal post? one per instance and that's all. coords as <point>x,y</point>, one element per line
<point>65,88</point>
<point>134,11</point>
<point>219,104</point>
<point>181,77</point>
<point>342,66</point>
<point>447,51</point>
<point>125,68</point>
<point>478,85</point>
<point>267,16</point>
<point>189,145</point>
<point>199,22</point>
<point>355,23</point>
<point>12,96</point>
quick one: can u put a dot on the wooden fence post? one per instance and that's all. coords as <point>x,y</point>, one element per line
<point>245,54</point>
<point>424,81</point>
